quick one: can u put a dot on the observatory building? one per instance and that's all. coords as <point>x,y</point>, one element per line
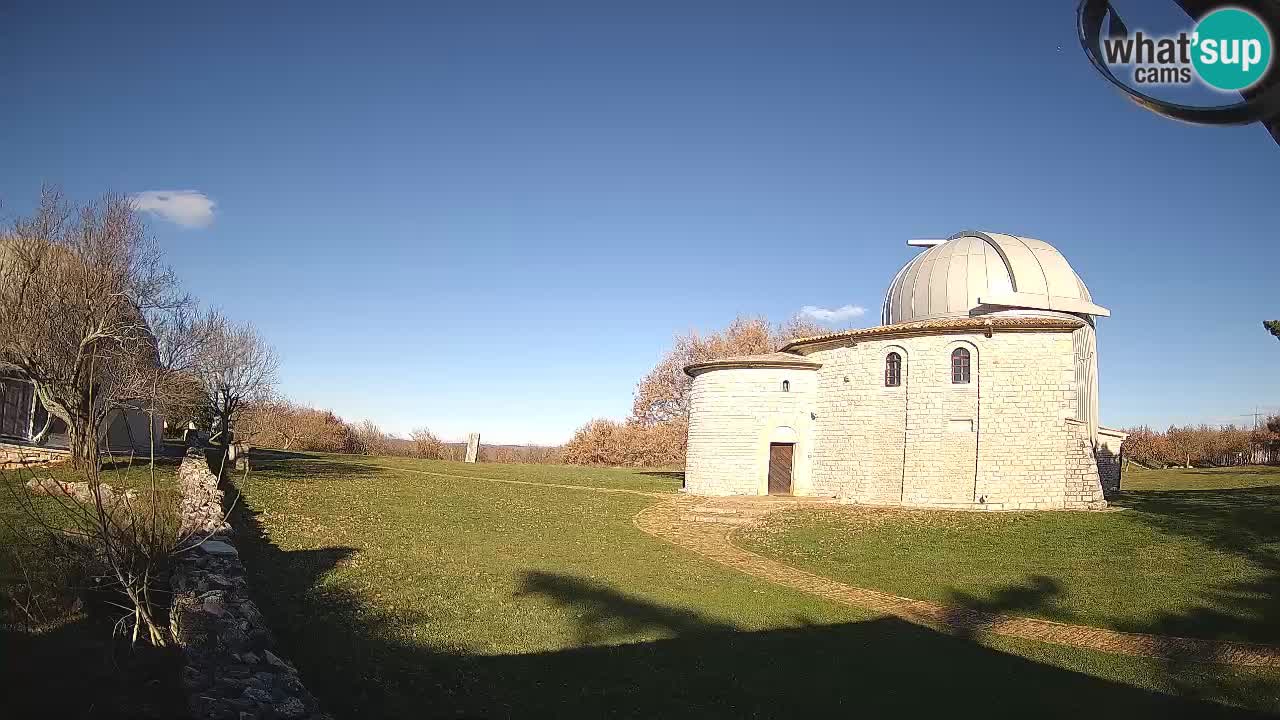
<point>978,390</point>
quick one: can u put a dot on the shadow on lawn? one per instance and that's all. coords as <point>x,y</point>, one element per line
<point>80,670</point>
<point>1244,522</point>
<point>1038,595</point>
<point>298,467</point>
<point>667,474</point>
<point>357,659</point>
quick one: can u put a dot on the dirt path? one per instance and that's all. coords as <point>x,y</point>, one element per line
<point>706,525</point>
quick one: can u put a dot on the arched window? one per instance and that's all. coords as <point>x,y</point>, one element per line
<point>786,386</point>
<point>893,370</point>
<point>960,365</point>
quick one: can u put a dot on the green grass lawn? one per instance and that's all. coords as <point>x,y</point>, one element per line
<point>403,590</point>
<point>59,658</point>
<point>1194,553</point>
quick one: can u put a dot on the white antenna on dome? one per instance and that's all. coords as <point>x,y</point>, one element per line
<point>925,242</point>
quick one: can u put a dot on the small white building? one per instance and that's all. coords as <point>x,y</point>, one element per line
<point>979,390</point>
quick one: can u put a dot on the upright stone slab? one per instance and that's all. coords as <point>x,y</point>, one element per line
<point>473,447</point>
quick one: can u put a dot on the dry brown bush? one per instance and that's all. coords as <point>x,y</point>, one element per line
<point>426,444</point>
<point>628,444</point>
<point>1203,445</point>
<point>286,425</point>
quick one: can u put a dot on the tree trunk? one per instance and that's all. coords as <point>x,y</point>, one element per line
<point>83,442</point>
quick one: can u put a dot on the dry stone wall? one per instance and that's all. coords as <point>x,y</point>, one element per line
<point>231,671</point>
<point>17,456</point>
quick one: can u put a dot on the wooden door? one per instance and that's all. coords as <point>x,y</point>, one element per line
<point>780,468</point>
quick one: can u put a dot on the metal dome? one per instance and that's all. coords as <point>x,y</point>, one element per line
<point>978,273</point>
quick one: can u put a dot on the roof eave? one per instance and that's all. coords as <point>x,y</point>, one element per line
<point>950,326</point>
<point>800,363</point>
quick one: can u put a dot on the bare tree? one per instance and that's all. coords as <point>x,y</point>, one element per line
<point>234,368</point>
<point>663,394</point>
<point>79,286</point>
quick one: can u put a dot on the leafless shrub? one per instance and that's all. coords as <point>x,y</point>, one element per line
<point>280,423</point>
<point>234,368</point>
<point>84,537</point>
<point>426,445</point>
<point>367,438</point>
<point>630,444</point>
<point>1203,445</point>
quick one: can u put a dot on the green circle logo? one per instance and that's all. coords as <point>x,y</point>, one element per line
<point>1232,49</point>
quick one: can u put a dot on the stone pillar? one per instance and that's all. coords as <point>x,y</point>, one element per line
<point>473,447</point>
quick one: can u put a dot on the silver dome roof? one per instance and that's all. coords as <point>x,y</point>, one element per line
<point>978,273</point>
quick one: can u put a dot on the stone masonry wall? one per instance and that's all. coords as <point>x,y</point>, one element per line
<point>1083,487</point>
<point>860,432</point>
<point>1002,441</point>
<point>231,672</point>
<point>1028,394</point>
<point>16,456</point>
<point>734,414</point>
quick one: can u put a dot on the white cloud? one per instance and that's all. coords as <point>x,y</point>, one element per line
<point>841,314</point>
<point>188,208</point>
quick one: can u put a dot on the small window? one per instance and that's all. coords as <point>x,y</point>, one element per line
<point>959,366</point>
<point>786,386</point>
<point>893,370</point>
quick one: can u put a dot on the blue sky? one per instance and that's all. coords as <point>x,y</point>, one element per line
<point>494,216</point>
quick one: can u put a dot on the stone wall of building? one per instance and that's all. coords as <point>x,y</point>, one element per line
<point>1009,439</point>
<point>1001,441</point>
<point>1082,489</point>
<point>861,428</point>
<point>734,414</point>
<point>231,672</point>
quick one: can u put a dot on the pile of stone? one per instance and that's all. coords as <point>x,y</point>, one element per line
<point>78,491</point>
<point>231,672</point>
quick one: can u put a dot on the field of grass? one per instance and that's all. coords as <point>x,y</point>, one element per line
<point>407,588</point>
<point>1193,553</point>
<point>59,658</point>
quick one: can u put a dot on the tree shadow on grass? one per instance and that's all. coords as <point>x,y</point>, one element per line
<point>80,670</point>
<point>668,474</point>
<point>969,614</point>
<point>1244,522</point>
<point>358,659</point>
<point>602,614</point>
<point>301,468</point>
<point>1190,675</point>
